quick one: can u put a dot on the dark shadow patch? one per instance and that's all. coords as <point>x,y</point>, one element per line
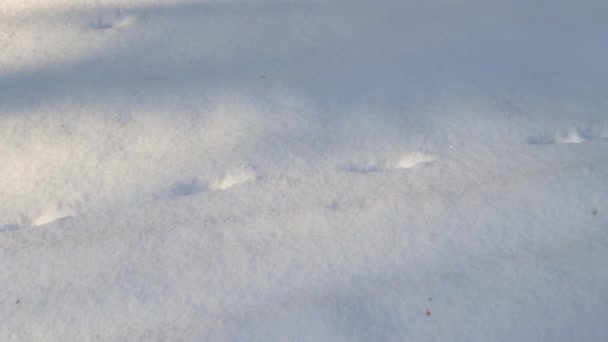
<point>180,189</point>
<point>360,168</point>
<point>335,206</point>
<point>8,228</point>
<point>101,24</point>
<point>540,140</point>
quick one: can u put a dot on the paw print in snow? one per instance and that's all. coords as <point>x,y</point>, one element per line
<point>112,21</point>
<point>574,136</point>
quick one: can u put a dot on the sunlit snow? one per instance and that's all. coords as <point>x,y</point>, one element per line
<point>299,170</point>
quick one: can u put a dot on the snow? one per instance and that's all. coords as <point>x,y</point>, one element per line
<point>414,159</point>
<point>274,170</point>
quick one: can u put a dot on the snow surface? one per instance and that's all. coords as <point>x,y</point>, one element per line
<point>329,170</point>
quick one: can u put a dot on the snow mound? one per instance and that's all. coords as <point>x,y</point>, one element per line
<point>234,177</point>
<point>51,214</point>
<point>415,159</point>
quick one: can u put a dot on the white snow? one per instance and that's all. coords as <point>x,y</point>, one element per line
<point>51,214</point>
<point>272,170</point>
<point>234,177</point>
<point>414,159</point>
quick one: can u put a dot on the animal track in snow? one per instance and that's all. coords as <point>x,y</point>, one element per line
<point>408,161</point>
<point>234,177</point>
<point>8,228</point>
<point>570,137</point>
<point>112,21</point>
<point>191,187</point>
<point>363,168</point>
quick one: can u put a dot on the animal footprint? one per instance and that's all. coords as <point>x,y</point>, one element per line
<point>112,21</point>
<point>570,137</point>
<point>408,161</point>
<point>194,186</point>
<point>8,228</point>
<point>363,168</point>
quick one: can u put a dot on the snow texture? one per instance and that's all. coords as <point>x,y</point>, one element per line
<point>273,170</point>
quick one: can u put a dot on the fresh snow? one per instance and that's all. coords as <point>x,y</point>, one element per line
<point>278,170</point>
